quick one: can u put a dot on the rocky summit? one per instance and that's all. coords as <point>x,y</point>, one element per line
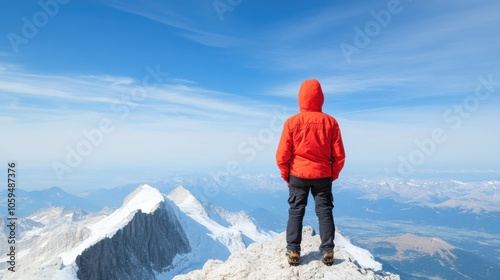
<point>266,260</point>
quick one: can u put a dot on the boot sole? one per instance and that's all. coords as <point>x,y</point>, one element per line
<point>293,261</point>
<point>328,261</point>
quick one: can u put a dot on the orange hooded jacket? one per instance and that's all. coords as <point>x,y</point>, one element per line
<point>311,145</point>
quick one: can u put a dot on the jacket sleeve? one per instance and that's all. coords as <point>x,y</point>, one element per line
<point>338,153</point>
<point>284,152</point>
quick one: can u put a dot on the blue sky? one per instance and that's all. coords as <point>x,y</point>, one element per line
<point>99,93</point>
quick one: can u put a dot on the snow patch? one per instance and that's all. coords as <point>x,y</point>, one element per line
<point>232,236</point>
<point>364,257</point>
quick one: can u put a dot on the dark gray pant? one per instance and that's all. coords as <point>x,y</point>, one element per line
<point>321,190</point>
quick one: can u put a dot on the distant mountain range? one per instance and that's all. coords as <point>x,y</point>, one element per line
<point>30,201</point>
<point>477,197</point>
<point>462,213</point>
<point>151,236</point>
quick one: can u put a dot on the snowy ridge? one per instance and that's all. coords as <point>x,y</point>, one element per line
<point>187,202</point>
<point>232,236</point>
<point>44,235</point>
<point>266,260</point>
<point>145,198</point>
<point>362,256</point>
<point>242,222</point>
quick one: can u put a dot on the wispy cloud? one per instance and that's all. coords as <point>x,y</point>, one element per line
<point>307,27</point>
<point>343,84</point>
<point>446,30</point>
<point>426,61</point>
<point>414,62</point>
<point>176,125</point>
<point>456,32</point>
<point>55,93</point>
<point>200,30</point>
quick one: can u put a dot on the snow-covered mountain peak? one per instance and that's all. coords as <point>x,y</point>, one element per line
<point>144,198</point>
<point>229,228</point>
<point>179,194</point>
<point>185,200</point>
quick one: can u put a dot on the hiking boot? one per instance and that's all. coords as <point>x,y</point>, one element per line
<point>327,258</point>
<point>293,257</point>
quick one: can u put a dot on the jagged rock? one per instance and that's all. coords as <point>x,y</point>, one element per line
<point>266,260</point>
<point>144,247</point>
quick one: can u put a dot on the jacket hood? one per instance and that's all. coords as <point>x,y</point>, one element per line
<point>311,96</point>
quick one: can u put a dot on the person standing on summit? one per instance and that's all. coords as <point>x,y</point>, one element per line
<point>310,156</point>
